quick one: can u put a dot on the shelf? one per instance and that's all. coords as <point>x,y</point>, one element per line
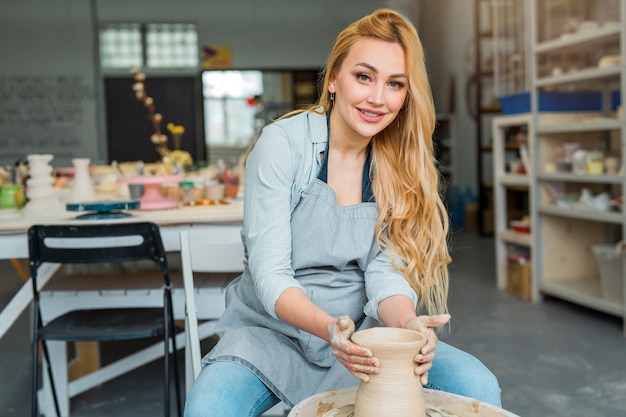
<point>490,45</point>
<point>586,74</point>
<point>585,292</point>
<point>508,147</point>
<point>562,236</point>
<point>491,110</point>
<point>580,39</point>
<point>592,179</point>
<point>515,181</point>
<point>595,216</point>
<point>511,236</point>
<point>509,206</point>
<point>597,125</point>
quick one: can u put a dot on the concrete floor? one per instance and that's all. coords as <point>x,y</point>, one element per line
<point>552,358</point>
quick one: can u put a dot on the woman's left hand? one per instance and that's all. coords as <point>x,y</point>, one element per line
<point>425,325</point>
<point>358,360</point>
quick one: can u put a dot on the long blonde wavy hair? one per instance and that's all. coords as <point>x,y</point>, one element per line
<point>413,221</point>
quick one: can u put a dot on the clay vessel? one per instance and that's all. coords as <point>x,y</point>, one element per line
<point>83,189</point>
<point>396,390</point>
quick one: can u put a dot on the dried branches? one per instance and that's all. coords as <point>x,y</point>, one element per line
<point>158,138</point>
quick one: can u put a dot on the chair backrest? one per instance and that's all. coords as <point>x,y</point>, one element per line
<point>203,256</point>
<point>96,243</point>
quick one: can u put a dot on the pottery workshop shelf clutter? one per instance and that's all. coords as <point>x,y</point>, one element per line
<point>577,182</point>
<point>512,173</point>
<point>576,145</point>
<point>49,192</point>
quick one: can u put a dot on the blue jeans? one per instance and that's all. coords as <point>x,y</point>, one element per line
<point>228,389</point>
<point>460,373</point>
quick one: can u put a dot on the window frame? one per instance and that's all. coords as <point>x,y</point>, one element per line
<point>144,32</point>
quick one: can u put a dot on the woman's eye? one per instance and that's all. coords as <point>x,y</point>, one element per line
<point>396,84</point>
<point>362,77</point>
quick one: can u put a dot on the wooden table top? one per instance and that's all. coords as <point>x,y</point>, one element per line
<point>17,221</point>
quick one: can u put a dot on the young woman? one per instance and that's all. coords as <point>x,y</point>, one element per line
<point>344,228</point>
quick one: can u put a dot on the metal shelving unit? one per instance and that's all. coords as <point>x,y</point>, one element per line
<point>500,68</point>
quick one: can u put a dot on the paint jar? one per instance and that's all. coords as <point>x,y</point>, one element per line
<point>214,190</point>
<point>595,162</point>
<point>11,196</point>
<point>231,182</point>
<point>186,193</point>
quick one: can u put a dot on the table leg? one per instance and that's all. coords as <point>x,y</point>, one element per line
<point>21,267</point>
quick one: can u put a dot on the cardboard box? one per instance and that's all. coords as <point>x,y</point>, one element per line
<point>518,280</point>
<point>488,221</point>
<point>471,217</point>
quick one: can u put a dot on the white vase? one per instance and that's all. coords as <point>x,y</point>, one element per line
<point>83,190</point>
<point>42,202</point>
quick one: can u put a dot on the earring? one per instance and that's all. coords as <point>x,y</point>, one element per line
<point>332,97</point>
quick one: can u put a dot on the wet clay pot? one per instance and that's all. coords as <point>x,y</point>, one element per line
<point>396,390</point>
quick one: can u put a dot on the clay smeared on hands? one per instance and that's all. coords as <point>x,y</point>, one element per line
<point>426,325</point>
<point>358,360</point>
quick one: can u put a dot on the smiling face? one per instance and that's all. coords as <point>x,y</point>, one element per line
<point>370,89</point>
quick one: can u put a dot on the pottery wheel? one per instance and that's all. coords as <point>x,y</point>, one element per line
<point>348,411</point>
<point>340,403</point>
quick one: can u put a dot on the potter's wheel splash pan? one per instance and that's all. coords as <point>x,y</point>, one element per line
<point>324,403</point>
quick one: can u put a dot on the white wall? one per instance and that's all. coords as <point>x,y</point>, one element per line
<point>266,34</point>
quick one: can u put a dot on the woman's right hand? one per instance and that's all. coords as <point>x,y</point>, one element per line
<point>358,360</point>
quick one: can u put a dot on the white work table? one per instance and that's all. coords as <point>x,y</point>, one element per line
<point>219,222</point>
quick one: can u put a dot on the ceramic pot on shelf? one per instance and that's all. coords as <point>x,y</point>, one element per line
<point>396,390</point>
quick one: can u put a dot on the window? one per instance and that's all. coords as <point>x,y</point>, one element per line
<point>239,103</point>
<point>229,106</point>
<point>152,45</point>
<point>120,45</point>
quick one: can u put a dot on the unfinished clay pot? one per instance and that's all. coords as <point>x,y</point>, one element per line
<point>396,390</point>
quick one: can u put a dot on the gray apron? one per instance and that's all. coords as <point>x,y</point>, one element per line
<point>332,246</point>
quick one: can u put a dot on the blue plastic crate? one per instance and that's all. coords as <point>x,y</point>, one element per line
<point>616,98</point>
<point>553,101</point>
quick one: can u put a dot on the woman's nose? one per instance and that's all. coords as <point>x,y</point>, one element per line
<point>376,96</point>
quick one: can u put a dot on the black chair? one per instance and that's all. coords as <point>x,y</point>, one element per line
<point>92,244</point>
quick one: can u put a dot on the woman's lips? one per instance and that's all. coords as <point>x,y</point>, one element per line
<point>371,116</point>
